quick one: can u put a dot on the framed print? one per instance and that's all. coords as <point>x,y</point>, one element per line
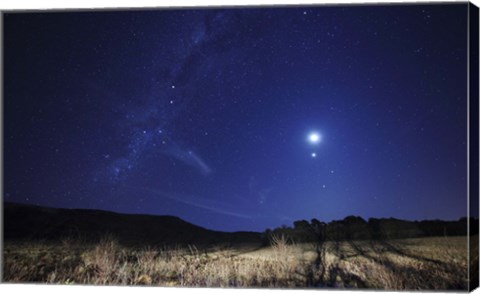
<point>294,146</point>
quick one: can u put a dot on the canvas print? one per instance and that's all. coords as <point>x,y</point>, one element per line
<point>320,146</point>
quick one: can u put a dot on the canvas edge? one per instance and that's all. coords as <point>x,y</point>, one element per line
<point>473,144</point>
<point>2,117</point>
<point>229,5</point>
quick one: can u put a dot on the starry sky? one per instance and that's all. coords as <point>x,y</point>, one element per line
<point>240,119</point>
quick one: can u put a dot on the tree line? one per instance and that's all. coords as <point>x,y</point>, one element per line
<point>356,228</point>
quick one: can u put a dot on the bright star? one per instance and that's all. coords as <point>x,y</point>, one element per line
<point>314,154</point>
<point>314,138</point>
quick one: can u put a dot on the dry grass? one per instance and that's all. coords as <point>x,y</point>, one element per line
<point>426,263</point>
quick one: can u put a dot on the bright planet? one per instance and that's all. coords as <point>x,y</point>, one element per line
<point>314,138</point>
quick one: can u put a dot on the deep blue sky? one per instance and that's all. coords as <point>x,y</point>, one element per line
<point>205,114</point>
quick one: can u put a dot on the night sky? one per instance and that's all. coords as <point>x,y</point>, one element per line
<point>240,119</point>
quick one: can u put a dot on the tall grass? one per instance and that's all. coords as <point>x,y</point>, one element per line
<point>429,263</point>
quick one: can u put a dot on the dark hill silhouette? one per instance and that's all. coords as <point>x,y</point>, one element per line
<point>28,222</point>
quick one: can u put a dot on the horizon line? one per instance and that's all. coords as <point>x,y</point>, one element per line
<point>169,215</point>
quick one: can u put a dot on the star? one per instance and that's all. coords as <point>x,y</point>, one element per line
<point>314,154</point>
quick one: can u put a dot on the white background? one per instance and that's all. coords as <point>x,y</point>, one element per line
<point>48,4</point>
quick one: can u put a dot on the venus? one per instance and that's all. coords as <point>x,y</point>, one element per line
<point>314,138</point>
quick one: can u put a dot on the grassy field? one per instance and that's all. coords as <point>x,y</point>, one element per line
<point>424,263</point>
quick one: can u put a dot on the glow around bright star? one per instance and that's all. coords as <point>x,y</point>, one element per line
<point>314,138</point>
